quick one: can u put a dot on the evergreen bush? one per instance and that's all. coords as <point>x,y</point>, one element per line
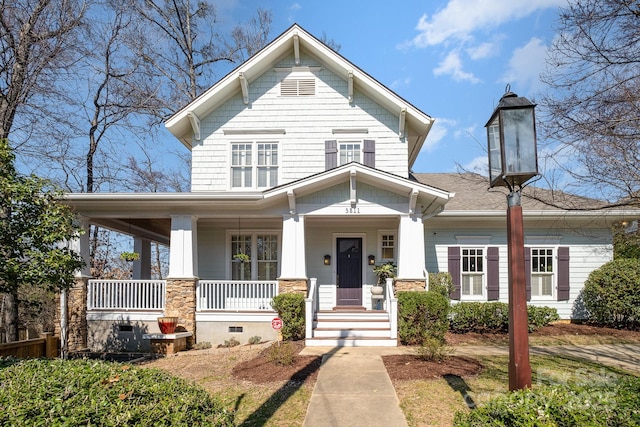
<point>290,308</point>
<point>493,317</point>
<point>422,315</point>
<point>601,405</point>
<point>40,392</point>
<point>611,294</point>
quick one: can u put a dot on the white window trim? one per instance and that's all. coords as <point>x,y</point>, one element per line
<point>254,162</point>
<point>379,258</point>
<point>483,296</point>
<point>254,250</point>
<point>360,142</point>
<point>554,280</point>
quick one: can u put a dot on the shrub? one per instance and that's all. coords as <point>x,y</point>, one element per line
<point>422,315</point>
<point>281,354</point>
<point>441,282</point>
<point>481,317</point>
<point>231,342</point>
<point>493,317</point>
<point>433,349</point>
<point>255,340</point>
<point>560,405</point>
<point>611,294</point>
<point>290,308</point>
<point>541,316</point>
<point>89,392</point>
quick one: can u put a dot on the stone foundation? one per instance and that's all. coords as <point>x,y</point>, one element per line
<point>181,302</point>
<point>77,315</point>
<point>409,285</point>
<point>292,286</point>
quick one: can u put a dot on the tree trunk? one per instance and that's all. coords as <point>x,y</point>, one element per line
<point>11,319</point>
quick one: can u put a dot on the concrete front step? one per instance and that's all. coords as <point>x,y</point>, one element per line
<point>352,315</point>
<point>352,333</point>
<point>351,342</point>
<point>351,324</point>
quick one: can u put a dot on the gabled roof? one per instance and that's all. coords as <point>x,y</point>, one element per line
<point>474,198</point>
<point>293,41</point>
<point>417,192</point>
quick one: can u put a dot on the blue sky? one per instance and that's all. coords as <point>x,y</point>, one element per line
<point>450,58</point>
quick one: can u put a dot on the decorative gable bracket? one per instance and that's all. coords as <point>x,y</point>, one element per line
<point>352,187</point>
<point>350,79</point>
<point>292,201</point>
<point>245,88</point>
<point>296,48</point>
<point>195,125</point>
<point>401,124</point>
<point>413,198</point>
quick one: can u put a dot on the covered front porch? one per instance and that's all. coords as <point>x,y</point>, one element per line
<point>230,254</point>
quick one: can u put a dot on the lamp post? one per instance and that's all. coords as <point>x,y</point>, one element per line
<point>513,160</point>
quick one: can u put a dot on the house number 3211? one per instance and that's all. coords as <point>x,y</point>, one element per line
<point>352,210</point>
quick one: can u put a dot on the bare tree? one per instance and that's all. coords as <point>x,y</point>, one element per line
<point>591,111</point>
<point>183,45</point>
<point>37,44</point>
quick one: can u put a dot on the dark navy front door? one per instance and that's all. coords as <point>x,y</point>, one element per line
<point>349,271</point>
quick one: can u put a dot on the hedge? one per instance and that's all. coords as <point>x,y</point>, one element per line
<point>493,317</point>
<point>291,310</point>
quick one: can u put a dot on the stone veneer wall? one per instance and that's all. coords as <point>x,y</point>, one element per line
<point>295,286</point>
<point>77,315</point>
<point>409,285</point>
<point>181,302</point>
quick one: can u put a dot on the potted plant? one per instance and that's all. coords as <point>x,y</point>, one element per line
<point>167,324</point>
<point>241,257</point>
<point>383,272</point>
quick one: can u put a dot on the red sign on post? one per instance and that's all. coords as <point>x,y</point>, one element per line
<point>276,323</point>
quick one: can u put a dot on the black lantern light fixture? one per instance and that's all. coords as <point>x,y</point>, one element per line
<point>327,260</point>
<point>372,260</point>
<point>511,137</point>
<point>513,160</point>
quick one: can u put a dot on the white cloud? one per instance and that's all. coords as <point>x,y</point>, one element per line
<point>479,165</point>
<point>484,50</point>
<point>400,82</point>
<point>461,18</point>
<point>452,65</point>
<point>438,131</point>
<point>525,66</point>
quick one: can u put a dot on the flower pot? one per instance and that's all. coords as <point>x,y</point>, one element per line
<point>377,290</point>
<point>167,324</point>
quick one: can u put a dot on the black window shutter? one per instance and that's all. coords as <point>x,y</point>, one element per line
<point>493,274</point>
<point>454,271</point>
<point>563,273</point>
<point>330,154</point>
<point>369,153</point>
<point>527,271</point>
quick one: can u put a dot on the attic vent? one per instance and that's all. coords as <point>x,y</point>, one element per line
<point>298,87</point>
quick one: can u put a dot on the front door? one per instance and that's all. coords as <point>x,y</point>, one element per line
<point>349,271</point>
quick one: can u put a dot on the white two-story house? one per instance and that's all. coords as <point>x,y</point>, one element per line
<point>301,182</point>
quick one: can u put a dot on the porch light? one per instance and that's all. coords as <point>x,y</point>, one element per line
<point>372,260</point>
<point>327,260</point>
<point>513,160</point>
<point>511,138</point>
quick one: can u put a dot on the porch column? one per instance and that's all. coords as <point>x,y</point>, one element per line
<point>75,330</point>
<point>410,254</point>
<point>293,270</point>
<point>180,298</point>
<point>142,266</point>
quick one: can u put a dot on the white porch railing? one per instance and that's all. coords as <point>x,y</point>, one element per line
<point>392,304</point>
<point>236,295</point>
<point>310,307</point>
<point>126,295</point>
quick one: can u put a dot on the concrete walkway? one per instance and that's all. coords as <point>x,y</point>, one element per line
<point>354,389</point>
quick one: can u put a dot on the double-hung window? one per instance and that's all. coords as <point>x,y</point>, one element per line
<point>350,151</point>
<point>254,164</point>
<point>542,272</point>
<point>254,256</point>
<point>472,272</point>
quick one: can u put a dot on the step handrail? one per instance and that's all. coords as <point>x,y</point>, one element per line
<point>310,307</point>
<point>393,308</point>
